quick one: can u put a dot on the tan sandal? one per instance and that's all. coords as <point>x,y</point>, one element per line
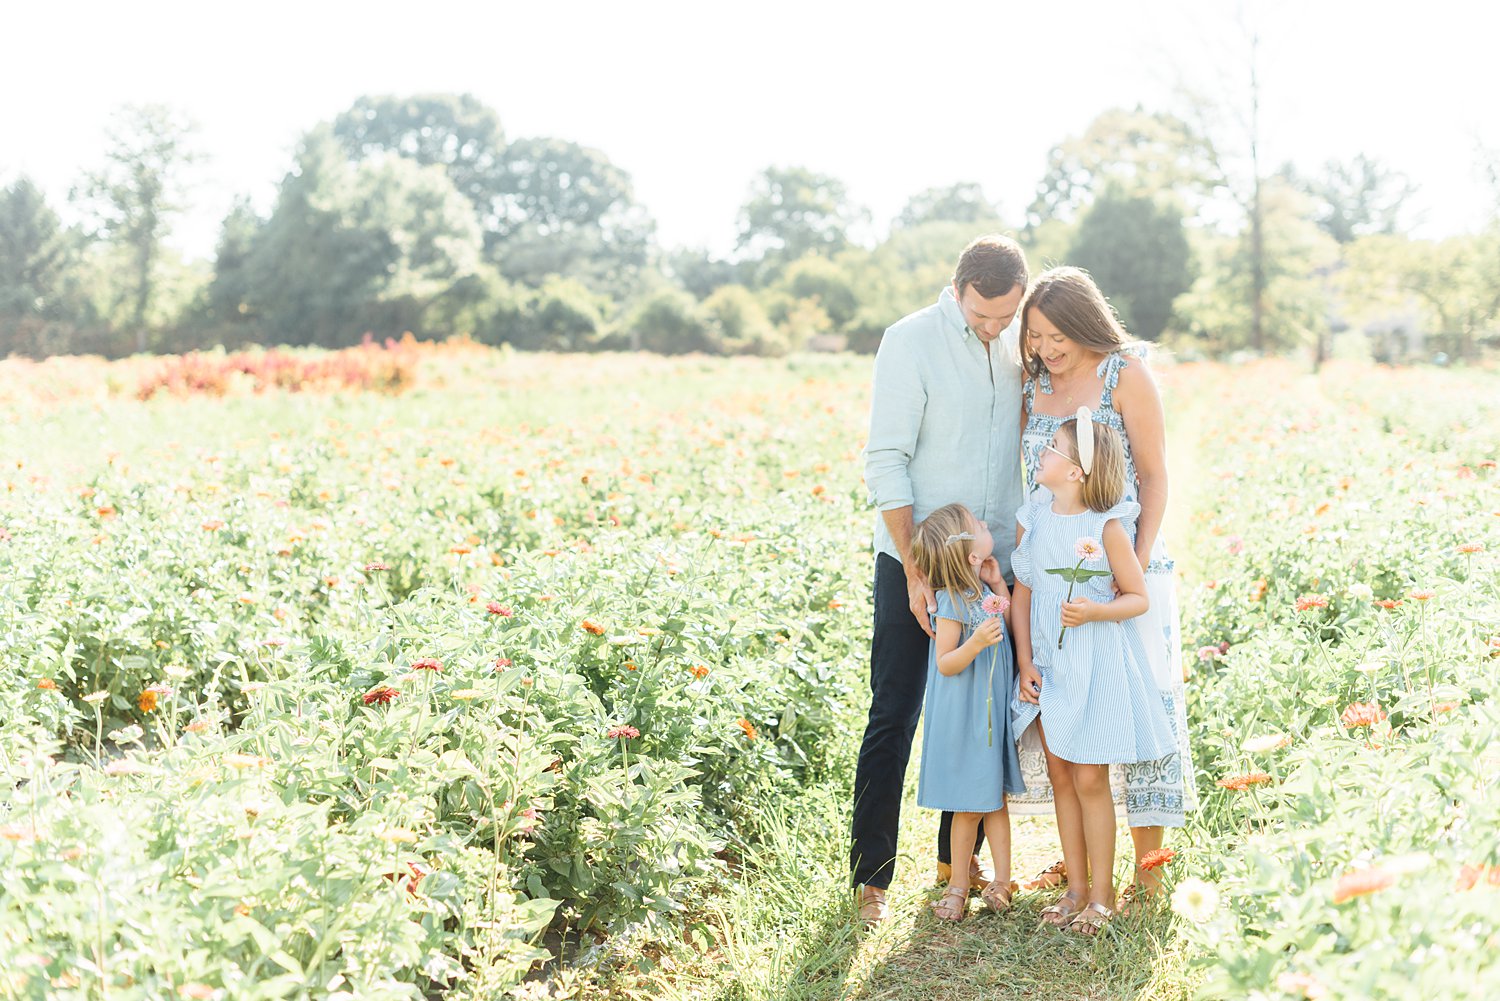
<point>1061,912</point>
<point>953,905</point>
<point>997,896</point>
<point>1089,920</point>
<point>1055,874</point>
<point>873,906</point>
<point>980,875</point>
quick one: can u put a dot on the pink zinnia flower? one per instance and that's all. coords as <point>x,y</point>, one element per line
<point>427,664</point>
<point>372,567</point>
<point>495,608</point>
<point>995,604</point>
<point>1308,601</point>
<point>622,732</point>
<point>1360,714</point>
<point>1207,653</point>
<point>1088,549</point>
<point>1423,594</point>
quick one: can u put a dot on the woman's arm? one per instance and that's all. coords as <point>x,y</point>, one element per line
<point>1139,404</point>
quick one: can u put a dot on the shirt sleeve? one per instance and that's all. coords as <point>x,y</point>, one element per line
<point>897,403</point>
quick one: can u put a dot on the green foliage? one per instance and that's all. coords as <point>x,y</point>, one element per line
<point>562,315</point>
<point>736,323</point>
<point>1354,199</point>
<point>1137,251</point>
<point>964,203</point>
<point>792,211</point>
<point>668,322</point>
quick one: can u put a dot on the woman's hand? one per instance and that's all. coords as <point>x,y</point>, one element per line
<point>988,633</point>
<point>1078,611</point>
<point>1030,684</point>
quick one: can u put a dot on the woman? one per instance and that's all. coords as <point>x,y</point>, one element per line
<point>1075,354</point>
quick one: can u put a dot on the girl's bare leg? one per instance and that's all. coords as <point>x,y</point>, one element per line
<point>1091,783</point>
<point>1069,813</point>
<point>997,833</point>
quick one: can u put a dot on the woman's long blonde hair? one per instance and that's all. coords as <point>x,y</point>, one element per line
<point>946,564</point>
<point>1104,485</point>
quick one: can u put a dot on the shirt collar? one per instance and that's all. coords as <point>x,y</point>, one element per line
<point>952,313</point>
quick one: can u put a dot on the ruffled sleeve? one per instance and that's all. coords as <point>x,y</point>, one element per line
<point>1127,512</point>
<point>946,609</point>
<point>1020,560</point>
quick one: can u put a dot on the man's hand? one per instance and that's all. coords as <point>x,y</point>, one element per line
<point>921,600</point>
<point>989,632</point>
<point>1031,684</point>
<point>1078,611</point>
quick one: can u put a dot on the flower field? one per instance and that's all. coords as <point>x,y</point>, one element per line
<point>507,667</point>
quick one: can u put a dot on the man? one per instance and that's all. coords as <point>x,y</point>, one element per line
<point>944,427</point>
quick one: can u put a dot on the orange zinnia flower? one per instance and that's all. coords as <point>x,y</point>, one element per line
<point>748,727</point>
<point>1423,594</point>
<point>1311,601</point>
<point>146,700</point>
<point>1239,783</point>
<point>1360,883</point>
<point>48,684</point>
<point>700,672</point>
<point>1158,858</point>
<point>1360,714</point>
<point>590,626</point>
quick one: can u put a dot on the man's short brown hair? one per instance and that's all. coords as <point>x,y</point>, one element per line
<point>993,264</point>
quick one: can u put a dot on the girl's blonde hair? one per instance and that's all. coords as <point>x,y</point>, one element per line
<point>946,564</point>
<point>1104,485</point>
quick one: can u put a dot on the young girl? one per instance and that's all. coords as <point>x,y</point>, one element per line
<point>1084,680</point>
<point>969,759</point>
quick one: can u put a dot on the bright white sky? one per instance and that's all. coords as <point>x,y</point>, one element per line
<point>693,99</point>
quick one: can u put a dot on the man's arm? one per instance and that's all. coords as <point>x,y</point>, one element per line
<point>897,404</point>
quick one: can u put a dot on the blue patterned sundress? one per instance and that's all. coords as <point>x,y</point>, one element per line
<point>1150,793</point>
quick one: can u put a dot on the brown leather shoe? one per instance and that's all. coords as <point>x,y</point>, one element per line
<point>873,906</point>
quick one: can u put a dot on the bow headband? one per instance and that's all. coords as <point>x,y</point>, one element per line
<point>1085,440</point>
<point>959,537</point>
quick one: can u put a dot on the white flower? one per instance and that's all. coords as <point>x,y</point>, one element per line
<point>1195,900</point>
<point>1362,591</point>
<point>1088,549</point>
<point>1266,742</point>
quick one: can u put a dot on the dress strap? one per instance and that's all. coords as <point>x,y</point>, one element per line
<point>1109,371</point>
<point>1028,393</point>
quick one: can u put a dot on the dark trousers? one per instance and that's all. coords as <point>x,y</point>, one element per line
<point>898,680</point>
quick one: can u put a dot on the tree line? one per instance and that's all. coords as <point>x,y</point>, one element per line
<point>419,214</point>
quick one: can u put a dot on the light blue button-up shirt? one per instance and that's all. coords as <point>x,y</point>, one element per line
<point>945,423</point>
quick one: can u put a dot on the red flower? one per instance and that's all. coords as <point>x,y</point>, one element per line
<point>427,664</point>
<point>501,663</point>
<point>1311,601</point>
<point>381,696</point>
<point>1158,858</point>
<point>1360,714</point>
<point>622,732</point>
<point>495,608</point>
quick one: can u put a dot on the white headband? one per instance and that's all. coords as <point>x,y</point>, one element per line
<point>1085,440</point>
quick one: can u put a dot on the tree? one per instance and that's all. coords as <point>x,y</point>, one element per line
<point>351,249</point>
<point>33,251</point>
<point>793,211</point>
<point>136,193</point>
<point>229,294</point>
<point>668,322</point>
<point>1139,152</point>
<point>1138,252</point>
<point>737,324</point>
<point>962,203</point>
<point>567,209</point>
<point>457,132</point>
<point>1454,282</point>
<point>1358,198</point>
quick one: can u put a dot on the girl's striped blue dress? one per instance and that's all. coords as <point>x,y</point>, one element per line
<point>1099,703</point>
